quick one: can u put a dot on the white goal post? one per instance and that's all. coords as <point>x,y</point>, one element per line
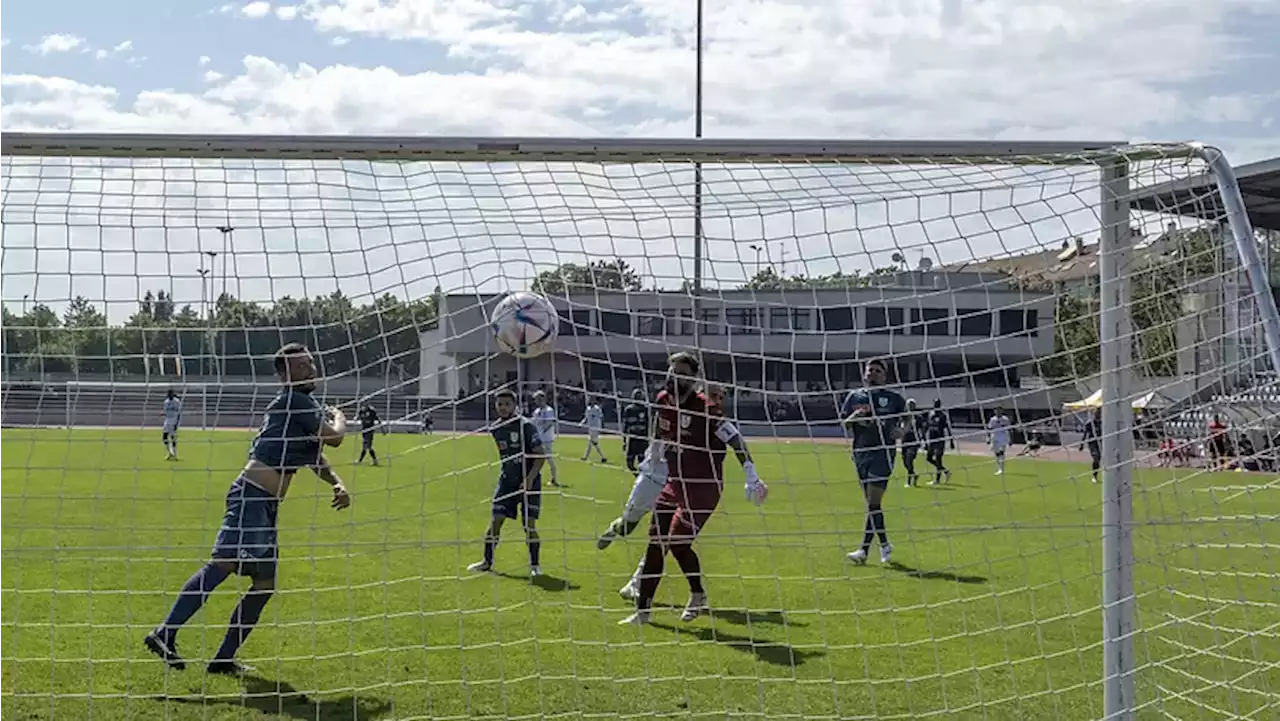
<point>967,267</point>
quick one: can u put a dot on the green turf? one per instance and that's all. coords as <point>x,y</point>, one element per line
<point>993,612</point>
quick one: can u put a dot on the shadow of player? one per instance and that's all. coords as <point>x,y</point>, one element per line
<point>770,652</point>
<point>743,616</point>
<point>279,698</point>
<point>934,575</point>
<point>546,582</point>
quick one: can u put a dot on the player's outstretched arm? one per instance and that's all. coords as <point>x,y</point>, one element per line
<point>341,499</point>
<point>755,489</point>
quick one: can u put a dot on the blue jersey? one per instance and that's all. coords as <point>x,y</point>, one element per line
<point>873,439</point>
<point>290,434</point>
<point>518,445</point>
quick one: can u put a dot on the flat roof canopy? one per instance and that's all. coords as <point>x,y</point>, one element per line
<point>1197,197</point>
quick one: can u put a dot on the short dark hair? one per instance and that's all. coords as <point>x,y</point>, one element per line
<point>877,362</point>
<point>287,350</point>
<point>504,393</point>
<point>687,358</point>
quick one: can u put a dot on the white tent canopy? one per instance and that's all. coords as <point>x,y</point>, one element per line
<point>1153,400</point>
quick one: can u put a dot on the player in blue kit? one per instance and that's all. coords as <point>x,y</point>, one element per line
<point>519,491</point>
<point>293,431</point>
<point>873,415</point>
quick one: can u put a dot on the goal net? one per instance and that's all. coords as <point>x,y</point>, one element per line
<point>1099,314</point>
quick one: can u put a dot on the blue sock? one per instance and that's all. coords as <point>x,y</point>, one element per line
<point>193,595</point>
<point>243,619</point>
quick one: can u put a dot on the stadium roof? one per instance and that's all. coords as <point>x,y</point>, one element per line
<point>1197,197</point>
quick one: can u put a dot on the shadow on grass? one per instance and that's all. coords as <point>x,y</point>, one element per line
<point>934,575</point>
<point>279,698</point>
<point>770,652</point>
<point>545,582</point>
<point>742,616</point>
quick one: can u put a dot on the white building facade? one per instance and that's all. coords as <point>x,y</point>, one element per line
<point>966,338</point>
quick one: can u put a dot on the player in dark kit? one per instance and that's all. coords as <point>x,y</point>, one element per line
<point>519,491</point>
<point>635,428</point>
<point>293,430</point>
<point>368,424</point>
<point>936,435</point>
<point>1093,439</point>
<point>913,434</point>
<point>874,416</point>
<point>694,434</point>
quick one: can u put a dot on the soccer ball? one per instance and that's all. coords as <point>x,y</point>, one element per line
<point>524,324</point>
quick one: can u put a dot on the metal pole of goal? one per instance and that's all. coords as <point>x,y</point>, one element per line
<point>697,185</point>
<point>1118,603</point>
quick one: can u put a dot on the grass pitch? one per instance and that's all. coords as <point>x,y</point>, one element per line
<point>991,611</point>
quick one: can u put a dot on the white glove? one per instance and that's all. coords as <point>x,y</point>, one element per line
<point>755,490</point>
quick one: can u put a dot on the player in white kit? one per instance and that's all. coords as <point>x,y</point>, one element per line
<point>998,435</point>
<point>169,431</point>
<point>593,419</point>
<point>544,421</point>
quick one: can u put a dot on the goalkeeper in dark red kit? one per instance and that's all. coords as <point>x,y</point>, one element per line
<point>695,436</point>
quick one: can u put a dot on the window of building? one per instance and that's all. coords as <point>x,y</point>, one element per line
<point>711,322</point>
<point>780,320</point>
<point>930,322</point>
<point>975,322</point>
<point>615,322</point>
<point>1020,322</point>
<point>885,321</point>
<point>838,319</point>
<point>577,322</point>
<point>802,319</point>
<point>678,322</point>
<point>650,323</point>
<point>741,321</point>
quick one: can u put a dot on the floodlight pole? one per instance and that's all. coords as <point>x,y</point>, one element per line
<point>697,185</point>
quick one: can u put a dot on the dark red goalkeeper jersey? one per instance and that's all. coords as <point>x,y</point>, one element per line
<point>695,433</point>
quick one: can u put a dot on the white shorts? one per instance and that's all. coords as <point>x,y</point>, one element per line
<point>644,496</point>
<point>593,435</point>
<point>549,447</point>
<point>999,448</point>
<point>170,428</point>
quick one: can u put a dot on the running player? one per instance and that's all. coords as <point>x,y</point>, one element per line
<point>293,430</point>
<point>1093,439</point>
<point>913,434</point>
<point>172,412</point>
<point>998,436</point>
<point>544,421</point>
<point>635,428</point>
<point>368,425</point>
<point>937,435</point>
<point>593,419</point>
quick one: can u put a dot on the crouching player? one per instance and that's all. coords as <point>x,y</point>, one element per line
<point>694,435</point>
<point>519,491</point>
<point>290,438</point>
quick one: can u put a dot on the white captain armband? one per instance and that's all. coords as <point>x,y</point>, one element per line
<point>726,431</point>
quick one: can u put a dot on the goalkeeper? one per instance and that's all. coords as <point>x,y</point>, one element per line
<point>652,478</point>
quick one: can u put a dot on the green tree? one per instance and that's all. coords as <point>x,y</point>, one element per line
<point>568,278</point>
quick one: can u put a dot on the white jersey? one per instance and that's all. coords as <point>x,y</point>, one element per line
<point>172,413</point>
<point>594,418</point>
<point>998,427</point>
<point>544,421</point>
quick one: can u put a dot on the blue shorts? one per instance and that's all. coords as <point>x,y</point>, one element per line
<point>509,501</point>
<point>248,534</point>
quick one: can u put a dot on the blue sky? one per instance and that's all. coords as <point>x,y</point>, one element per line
<point>990,69</point>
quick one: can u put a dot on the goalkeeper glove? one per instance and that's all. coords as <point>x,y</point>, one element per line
<point>756,490</point>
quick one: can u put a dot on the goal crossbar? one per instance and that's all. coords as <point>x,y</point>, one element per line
<point>595,150</point>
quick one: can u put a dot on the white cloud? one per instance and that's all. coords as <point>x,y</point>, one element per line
<point>287,12</point>
<point>204,60</point>
<point>118,49</point>
<point>256,9</point>
<point>212,76</point>
<point>56,43</point>
<point>339,40</point>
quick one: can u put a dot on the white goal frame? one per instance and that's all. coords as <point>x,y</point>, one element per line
<point>1112,159</point>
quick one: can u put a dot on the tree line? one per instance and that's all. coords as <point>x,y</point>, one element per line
<point>234,338</point>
